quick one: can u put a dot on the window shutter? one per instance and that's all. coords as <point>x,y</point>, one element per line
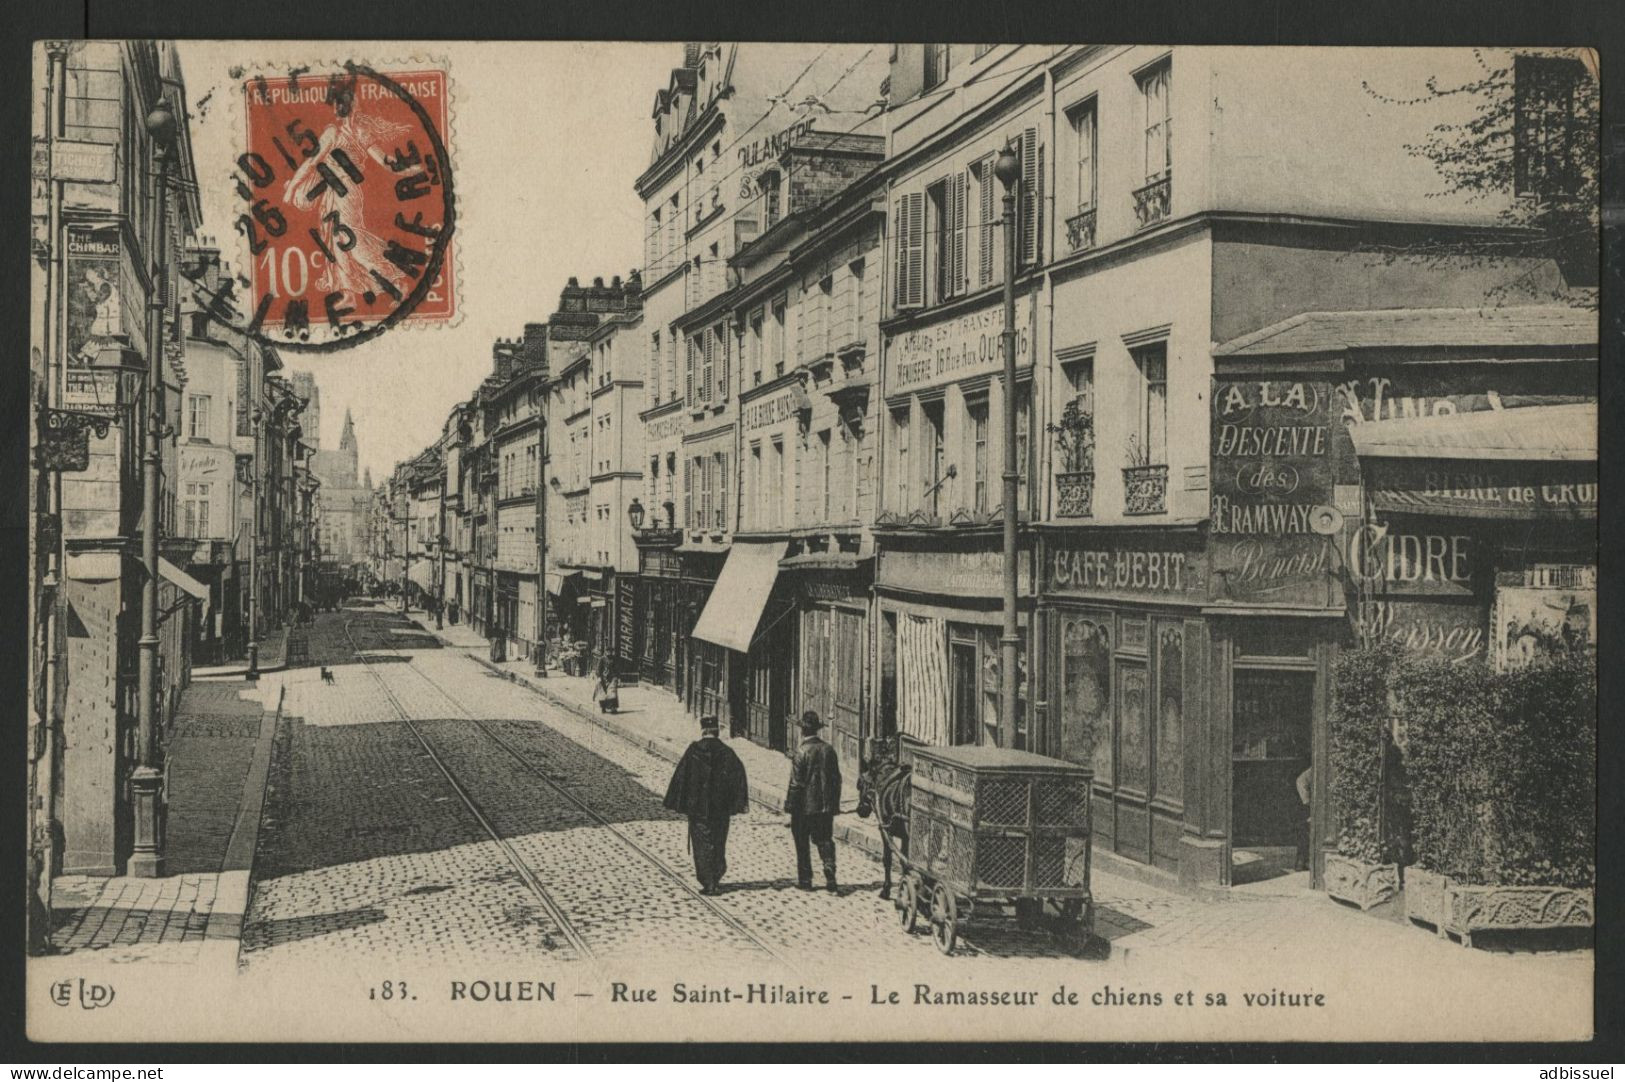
<point>688,491</point>
<point>985,250</point>
<point>688,373</point>
<point>1032,195</point>
<point>911,254</point>
<point>723,351</point>
<point>899,265</point>
<point>708,354</point>
<point>961,226</point>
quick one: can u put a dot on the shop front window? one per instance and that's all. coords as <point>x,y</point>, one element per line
<point>1133,766</point>
<point>1170,711</point>
<point>1086,734</point>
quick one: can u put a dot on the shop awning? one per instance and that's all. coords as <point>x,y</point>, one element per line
<point>186,582</point>
<point>1566,433</point>
<point>555,582</point>
<point>737,600</point>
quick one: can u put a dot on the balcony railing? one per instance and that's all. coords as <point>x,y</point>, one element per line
<point>1151,203</point>
<point>1145,490</point>
<point>1074,494</point>
<point>1080,230</point>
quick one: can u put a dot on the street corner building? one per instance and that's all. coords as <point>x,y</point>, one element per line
<point>1270,403</point>
<point>172,497</point>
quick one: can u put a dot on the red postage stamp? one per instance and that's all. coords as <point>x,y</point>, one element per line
<point>347,204</point>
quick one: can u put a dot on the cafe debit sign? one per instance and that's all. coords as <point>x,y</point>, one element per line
<point>1272,490</point>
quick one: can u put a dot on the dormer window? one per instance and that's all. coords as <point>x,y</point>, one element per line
<point>770,197</point>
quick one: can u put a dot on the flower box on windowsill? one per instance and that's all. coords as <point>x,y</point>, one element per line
<point>1145,490</point>
<point>1080,230</point>
<point>1074,494</point>
<point>1152,202</point>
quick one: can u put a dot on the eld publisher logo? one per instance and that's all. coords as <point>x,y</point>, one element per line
<point>90,996</point>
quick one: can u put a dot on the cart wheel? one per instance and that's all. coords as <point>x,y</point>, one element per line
<point>908,904</point>
<point>944,919</point>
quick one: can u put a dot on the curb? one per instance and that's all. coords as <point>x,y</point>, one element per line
<point>235,891</point>
<point>848,832</point>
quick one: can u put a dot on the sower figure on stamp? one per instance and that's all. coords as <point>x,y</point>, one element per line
<point>709,786</point>
<point>812,800</point>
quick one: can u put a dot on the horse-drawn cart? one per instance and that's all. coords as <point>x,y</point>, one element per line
<point>992,830</point>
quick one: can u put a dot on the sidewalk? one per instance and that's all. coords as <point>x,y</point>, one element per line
<point>273,658</point>
<point>655,720</point>
<point>218,761</point>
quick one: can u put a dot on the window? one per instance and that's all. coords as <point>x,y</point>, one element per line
<point>655,360</point>
<point>719,464</point>
<point>900,426</point>
<point>946,231</point>
<point>197,412</point>
<point>1158,122</point>
<point>769,183</point>
<point>936,65</point>
<point>978,433</point>
<point>852,433</point>
<point>753,345</point>
<point>933,451</point>
<point>824,467</point>
<point>753,485</point>
<point>779,341</point>
<point>1083,128</point>
<point>1024,444</point>
<point>775,498</point>
<point>1547,139</point>
<point>1152,423</point>
<point>195,511</point>
<point>855,331</point>
<point>720,337</point>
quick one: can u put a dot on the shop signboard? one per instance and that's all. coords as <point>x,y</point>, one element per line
<point>955,348</point>
<point>1529,623</point>
<point>626,601</point>
<point>1486,490</point>
<point>970,573</point>
<point>96,291</point>
<point>1451,629</point>
<point>1410,556</point>
<point>1108,566</point>
<point>1273,486</point>
<point>771,409</point>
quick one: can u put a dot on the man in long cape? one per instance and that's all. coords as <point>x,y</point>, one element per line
<point>709,787</point>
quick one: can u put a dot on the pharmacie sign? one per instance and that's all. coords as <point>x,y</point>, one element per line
<point>965,345</point>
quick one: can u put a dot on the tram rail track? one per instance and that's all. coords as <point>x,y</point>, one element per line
<point>527,874</point>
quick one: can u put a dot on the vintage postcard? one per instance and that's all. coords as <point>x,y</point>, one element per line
<point>811,542</point>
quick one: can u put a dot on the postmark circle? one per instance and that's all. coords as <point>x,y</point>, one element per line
<point>345,236</point>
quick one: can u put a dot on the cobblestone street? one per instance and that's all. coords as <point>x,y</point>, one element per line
<point>369,851</point>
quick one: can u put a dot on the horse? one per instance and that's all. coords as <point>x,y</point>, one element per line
<point>883,789</point>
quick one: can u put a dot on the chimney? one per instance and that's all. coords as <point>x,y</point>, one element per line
<point>691,54</point>
<point>615,282</point>
<point>534,349</point>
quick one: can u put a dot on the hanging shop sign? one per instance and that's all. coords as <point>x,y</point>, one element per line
<point>64,440</point>
<point>1528,624</point>
<point>966,345</point>
<point>626,601</point>
<point>1273,485</point>
<point>1534,490</point>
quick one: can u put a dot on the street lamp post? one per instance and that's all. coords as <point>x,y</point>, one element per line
<point>254,548</point>
<point>146,857</point>
<point>1008,169</point>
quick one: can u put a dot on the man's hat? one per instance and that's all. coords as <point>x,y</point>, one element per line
<point>709,724</point>
<point>810,722</point>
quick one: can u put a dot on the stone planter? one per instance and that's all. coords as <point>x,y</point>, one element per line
<point>1358,882</point>
<point>1426,896</point>
<point>1471,909</point>
<point>1460,909</point>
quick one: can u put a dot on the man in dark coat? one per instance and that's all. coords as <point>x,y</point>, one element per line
<point>708,787</point>
<point>812,800</point>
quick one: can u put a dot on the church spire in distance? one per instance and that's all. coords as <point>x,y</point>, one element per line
<point>347,440</point>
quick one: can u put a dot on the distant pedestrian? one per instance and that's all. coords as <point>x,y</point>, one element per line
<point>709,787</point>
<point>813,798</point>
